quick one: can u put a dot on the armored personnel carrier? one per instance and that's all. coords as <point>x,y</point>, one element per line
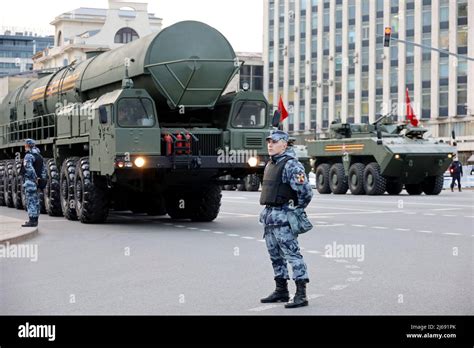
<point>376,158</point>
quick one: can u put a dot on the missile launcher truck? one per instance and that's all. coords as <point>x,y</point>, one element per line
<point>141,127</point>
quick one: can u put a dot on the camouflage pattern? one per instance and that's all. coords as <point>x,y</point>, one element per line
<point>29,185</point>
<point>282,243</point>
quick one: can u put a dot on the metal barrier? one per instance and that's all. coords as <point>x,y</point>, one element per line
<point>38,128</point>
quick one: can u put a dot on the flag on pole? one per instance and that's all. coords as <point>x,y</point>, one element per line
<point>410,114</point>
<point>282,110</point>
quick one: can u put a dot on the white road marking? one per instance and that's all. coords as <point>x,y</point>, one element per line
<point>313,252</point>
<point>357,272</point>
<point>261,240</point>
<point>341,261</point>
<point>390,202</point>
<point>443,209</point>
<point>192,228</point>
<point>339,287</point>
<point>233,235</point>
<point>179,226</point>
<point>409,213</point>
<point>235,197</point>
<point>333,225</point>
<point>359,225</point>
<point>354,279</point>
<point>352,266</point>
<point>449,215</point>
<point>352,213</point>
<point>452,234</point>
<point>168,224</point>
<point>248,237</point>
<point>468,216</point>
<point>425,231</point>
<point>402,229</point>
<point>217,232</point>
<point>430,214</point>
<point>204,230</point>
<point>380,228</point>
<point>239,214</point>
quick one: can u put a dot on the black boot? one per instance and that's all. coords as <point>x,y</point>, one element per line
<point>280,294</point>
<point>33,222</point>
<point>300,299</point>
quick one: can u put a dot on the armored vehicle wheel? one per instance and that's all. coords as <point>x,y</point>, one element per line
<point>178,205</point>
<point>356,179</point>
<point>322,178</point>
<point>156,207</point>
<point>7,184</point>
<point>433,185</point>
<point>414,189</point>
<point>41,201</point>
<point>17,186</point>
<point>91,199</point>
<point>374,182</point>
<point>52,196</point>
<point>240,187</point>
<point>394,187</point>
<point>2,184</point>
<point>66,182</point>
<point>338,179</point>
<point>252,183</point>
<point>206,205</point>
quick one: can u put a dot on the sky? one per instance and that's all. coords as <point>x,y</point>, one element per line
<point>240,21</point>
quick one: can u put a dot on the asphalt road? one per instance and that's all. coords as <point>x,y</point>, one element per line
<point>401,255</point>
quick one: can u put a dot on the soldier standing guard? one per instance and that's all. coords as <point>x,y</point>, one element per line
<point>285,187</point>
<point>34,174</point>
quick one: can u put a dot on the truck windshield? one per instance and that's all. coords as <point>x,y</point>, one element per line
<point>135,112</point>
<point>249,114</point>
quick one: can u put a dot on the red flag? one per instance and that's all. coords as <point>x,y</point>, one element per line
<point>282,110</point>
<point>410,114</point>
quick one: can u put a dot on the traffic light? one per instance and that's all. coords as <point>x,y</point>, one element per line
<point>388,33</point>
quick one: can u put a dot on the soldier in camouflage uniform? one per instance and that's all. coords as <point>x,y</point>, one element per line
<point>285,187</point>
<point>32,170</point>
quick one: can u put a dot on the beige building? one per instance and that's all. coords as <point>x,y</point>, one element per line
<point>250,72</point>
<point>92,29</point>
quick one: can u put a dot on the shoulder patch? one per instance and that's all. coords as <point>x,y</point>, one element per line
<point>300,178</point>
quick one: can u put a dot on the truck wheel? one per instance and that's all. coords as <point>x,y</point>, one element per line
<point>394,187</point>
<point>41,201</point>
<point>322,178</point>
<point>433,185</point>
<point>91,199</point>
<point>374,182</point>
<point>2,184</point>
<point>52,196</point>
<point>338,179</point>
<point>17,186</point>
<point>66,182</point>
<point>7,183</point>
<point>156,206</point>
<point>206,207</point>
<point>241,187</point>
<point>356,179</point>
<point>252,183</point>
<point>414,189</point>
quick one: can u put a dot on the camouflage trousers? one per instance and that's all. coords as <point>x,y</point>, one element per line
<point>32,200</point>
<point>283,247</point>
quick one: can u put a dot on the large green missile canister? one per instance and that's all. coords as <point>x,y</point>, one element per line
<point>188,64</point>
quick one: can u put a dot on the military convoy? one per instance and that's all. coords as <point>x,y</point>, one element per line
<point>376,158</point>
<point>141,128</point>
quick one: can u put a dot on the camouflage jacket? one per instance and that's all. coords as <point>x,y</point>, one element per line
<point>293,174</point>
<point>30,173</point>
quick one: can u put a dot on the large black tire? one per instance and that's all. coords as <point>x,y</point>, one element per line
<point>8,182</point>
<point>206,204</point>
<point>66,182</point>
<point>41,201</point>
<point>156,206</point>
<point>17,186</point>
<point>241,187</point>
<point>414,189</point>
<point>433,185</point>
<point>2,184</point>
<point>322,179</point>
<point>374,182</point>
<point>52,194</point>
<point>394,187</point>
<point>252,183</point>
<point>91,197</point>
<point>356,179</point>
<point>338,179</point>
<point>178,205</point>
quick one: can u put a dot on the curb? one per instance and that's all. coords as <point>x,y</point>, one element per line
<point>18,237</point>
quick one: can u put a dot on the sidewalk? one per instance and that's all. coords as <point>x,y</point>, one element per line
<point>12,232</point>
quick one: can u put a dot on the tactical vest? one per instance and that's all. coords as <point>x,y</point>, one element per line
<point>274,191</point>
<point>37,165</point>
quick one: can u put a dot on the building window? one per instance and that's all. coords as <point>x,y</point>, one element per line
<point>302,25</point>
<point>444,10</point>
<point>426,15</point>
<point>462,36</point>
<point>426,71</point>
<point>410,21</point>
<point>352,10</point>
<point>444,39</point>
<point>443,97</point>
<point>364,107</point>
<point>426,103</point>
<point>60,38</point>
<point>462,9</point>
<point>365,7</point>
<point>444,68</point>
<point>125,35</point>
<point>394,77</point>
<point>462,68</point>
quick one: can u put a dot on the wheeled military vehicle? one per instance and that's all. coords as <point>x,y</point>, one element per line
<point>376,158</point>
<point>141,127</point>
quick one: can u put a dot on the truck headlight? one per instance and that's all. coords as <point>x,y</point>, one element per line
<point>139,162</point>
<point>253,161</point>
